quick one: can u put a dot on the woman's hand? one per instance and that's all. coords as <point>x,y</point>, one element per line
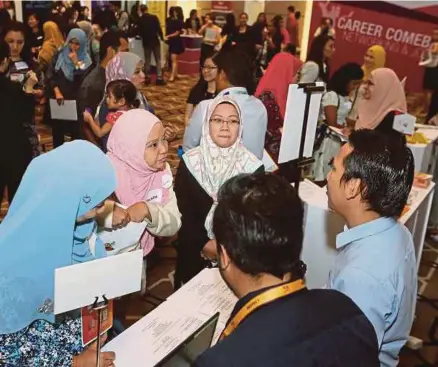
<point>138,212</point>
<point>73,57</point>
<point>31,81</point>
<point>59,97</point>
<point>209,252</point>
<point>347,131</point>
<point>88,358</point>
<point>120,217</point>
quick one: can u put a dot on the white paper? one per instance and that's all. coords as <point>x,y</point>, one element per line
<point>77,285</point>
<point>122,239</point>
<point>339,133</point>
<point>312,194</point>
<point>293,123</point>
<point>404,123</point>
<point>207,293</point>
<point>157,334</point>
<point>268,162</point>
<point>67,111</point>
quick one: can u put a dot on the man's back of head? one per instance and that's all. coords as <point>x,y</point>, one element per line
<point>109,45</point>
<point>235,69</point>
<point>373,172</point>
<point>259,225</point>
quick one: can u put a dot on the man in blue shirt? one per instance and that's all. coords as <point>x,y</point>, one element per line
<point>368,186</point>
<point>234,76</point>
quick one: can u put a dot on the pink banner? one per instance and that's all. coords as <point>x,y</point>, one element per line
<point>357,29</point>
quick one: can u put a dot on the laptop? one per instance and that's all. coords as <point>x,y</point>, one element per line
<point>185,354</point>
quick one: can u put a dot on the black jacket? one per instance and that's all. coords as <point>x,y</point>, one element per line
<point>310,328</point>
<point>150,30</point>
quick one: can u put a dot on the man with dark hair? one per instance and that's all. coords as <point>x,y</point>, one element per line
<point>149,29</point>
<point>235,77</point>
<point>124,41</point>
<point>93,87</point>
<point>368,186</point>
<point>121,15</point>
<point>258,225</point>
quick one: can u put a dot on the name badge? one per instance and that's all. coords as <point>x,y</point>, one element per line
<point>154,196</point>
<point>404,123</point>
<point>167,181</point>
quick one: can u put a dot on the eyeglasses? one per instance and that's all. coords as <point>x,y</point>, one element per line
<point>209,68</point>
<point>221,121</point>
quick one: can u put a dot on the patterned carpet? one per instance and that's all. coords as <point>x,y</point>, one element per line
<point>169,104</point>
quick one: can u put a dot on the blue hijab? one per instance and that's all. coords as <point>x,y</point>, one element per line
<point>64,62</point>
<point>39,233</point>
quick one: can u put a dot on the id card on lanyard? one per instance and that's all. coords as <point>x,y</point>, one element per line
<point>262,299</point>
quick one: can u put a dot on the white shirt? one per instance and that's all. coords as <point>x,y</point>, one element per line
<point>342,103</point>
<point>254,117</point>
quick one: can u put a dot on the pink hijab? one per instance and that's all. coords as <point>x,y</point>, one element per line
<point>387,95</point>
<point>135,179</point>
<point>279,74</point>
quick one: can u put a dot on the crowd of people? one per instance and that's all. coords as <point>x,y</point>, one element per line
<point>221,204</point>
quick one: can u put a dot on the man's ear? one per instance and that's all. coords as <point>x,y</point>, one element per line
<point>224,258</point>
<point>352,188</point>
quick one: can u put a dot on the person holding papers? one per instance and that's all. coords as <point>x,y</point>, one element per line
<point>335,107</point>
<point>50,225</point>
<point>368,186</point>
<point>234,78</point>
<point>384,98</point>
<point>137,148</point>
<point>277,321</point>
<point>220,156</point>
<point>64,78</point>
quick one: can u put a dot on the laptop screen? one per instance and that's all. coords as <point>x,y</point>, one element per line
<point>191,348</point>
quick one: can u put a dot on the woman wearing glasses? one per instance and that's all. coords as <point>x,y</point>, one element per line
<point>220,156</point>
<point>204,89</point>
<point>137,148</point>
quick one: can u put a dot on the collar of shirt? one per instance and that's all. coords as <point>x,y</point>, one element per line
<point>364,230</point>
<point>232,91</point>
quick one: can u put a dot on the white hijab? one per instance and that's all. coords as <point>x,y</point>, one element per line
<point>212,166</point>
